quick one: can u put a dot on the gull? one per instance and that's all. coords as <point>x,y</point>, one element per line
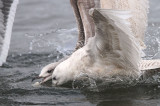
<point>110,42</point>
<point>130,65</point>
<point>117,47</point>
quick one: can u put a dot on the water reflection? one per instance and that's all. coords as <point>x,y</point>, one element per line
<point>133,96</point>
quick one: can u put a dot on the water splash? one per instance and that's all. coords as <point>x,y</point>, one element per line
<point>39,40</point>
<point>152,41</point>
<point>84,81</point>
<point>61,39</point>
<point>157,55</point>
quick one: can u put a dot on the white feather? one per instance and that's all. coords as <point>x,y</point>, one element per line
<point>149,64</point>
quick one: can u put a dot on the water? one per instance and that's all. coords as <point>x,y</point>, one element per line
<point>45,31</point>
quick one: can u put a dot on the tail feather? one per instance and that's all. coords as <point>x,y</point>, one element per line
<point>149,68</point>
<point>149,64</point>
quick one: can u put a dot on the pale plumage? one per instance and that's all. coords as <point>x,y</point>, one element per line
<point>7,14</point>
<point>114,39</point>
<point>149,64</point>
<point>138,21</point>
<point>139,9</point>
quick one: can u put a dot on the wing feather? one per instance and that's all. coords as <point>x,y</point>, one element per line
<point>114,39</point>
<point>7,14</point>
<point>139,9</point>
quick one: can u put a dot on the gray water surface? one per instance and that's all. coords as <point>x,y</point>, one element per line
<point>44,31</point>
